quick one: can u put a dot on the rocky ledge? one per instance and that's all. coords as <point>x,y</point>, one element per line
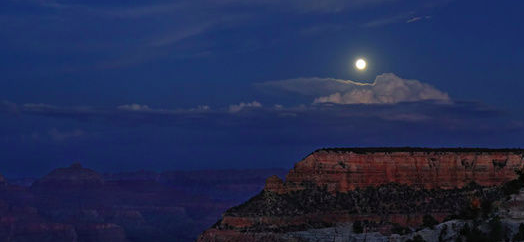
<point>387,189</point>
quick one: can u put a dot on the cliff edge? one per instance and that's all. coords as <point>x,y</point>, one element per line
<point>383,187</point>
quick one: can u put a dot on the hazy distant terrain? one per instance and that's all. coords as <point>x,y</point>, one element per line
<point>78,204</point>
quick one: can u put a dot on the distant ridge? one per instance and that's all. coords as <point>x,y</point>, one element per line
<point>74,176</point>
<point>2,180</point>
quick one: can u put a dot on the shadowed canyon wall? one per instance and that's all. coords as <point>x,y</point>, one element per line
<point>77,204</point>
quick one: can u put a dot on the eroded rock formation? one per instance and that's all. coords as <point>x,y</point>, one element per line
<point>77,204</point>
<point>385,187</point>
<point>344,170</point>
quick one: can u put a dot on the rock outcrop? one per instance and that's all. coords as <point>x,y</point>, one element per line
<point>74,176</point>
<point>343,170</point>
<point>385,187</point>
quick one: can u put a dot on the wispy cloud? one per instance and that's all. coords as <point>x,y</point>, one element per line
<point>324,28</point>
<point>417,14</point>
<point>418,18</point>
<point>307,6</point>
<point>399,18</point>
<point>141,32</point>
<point>176,36</point>
<point>386,20</point>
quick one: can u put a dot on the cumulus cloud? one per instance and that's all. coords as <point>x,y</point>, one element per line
<point>238,107</point>
<point>386,89</point>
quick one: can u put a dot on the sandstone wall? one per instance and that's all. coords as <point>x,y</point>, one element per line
<point>346,170</point>
<point>319,176</point>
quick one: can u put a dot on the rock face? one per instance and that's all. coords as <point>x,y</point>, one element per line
<point>385,187</point>
<point>343,170</point>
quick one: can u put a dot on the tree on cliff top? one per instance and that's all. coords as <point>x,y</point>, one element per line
<point>514,186</point>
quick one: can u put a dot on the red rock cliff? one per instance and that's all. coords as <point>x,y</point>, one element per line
<point>346,169</point>
<point>329,187</point>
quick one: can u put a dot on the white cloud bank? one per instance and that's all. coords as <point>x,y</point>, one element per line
<point>386,89</point>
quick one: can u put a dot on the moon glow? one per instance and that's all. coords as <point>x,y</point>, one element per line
<point>360,64</point>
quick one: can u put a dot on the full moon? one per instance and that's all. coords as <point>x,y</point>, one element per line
<point>360,64</point>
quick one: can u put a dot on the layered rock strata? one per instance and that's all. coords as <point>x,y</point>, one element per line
<point>343,170</point>
<point>77,204</point>
<point>385,187</point>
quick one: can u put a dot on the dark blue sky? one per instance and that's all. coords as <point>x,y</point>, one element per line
<point>208,84</point>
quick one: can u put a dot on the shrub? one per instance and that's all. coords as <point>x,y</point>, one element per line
<point>514,186</point>
<point>469,213</point>
<point>474,234</point>
<point>429,221</point>
<point>357,227</point>
<point>398,229</point>
<point>520,235</point>
<point>443,233</point>
<point>487,207</point>
<point>496,231</point>
<point>416,238</point>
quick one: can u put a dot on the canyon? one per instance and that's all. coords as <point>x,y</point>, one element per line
<point>383,188</point>
<point>389,192</point>
<point>77,204</point>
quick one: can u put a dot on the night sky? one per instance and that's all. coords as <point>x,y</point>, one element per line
<point>219,84</point>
